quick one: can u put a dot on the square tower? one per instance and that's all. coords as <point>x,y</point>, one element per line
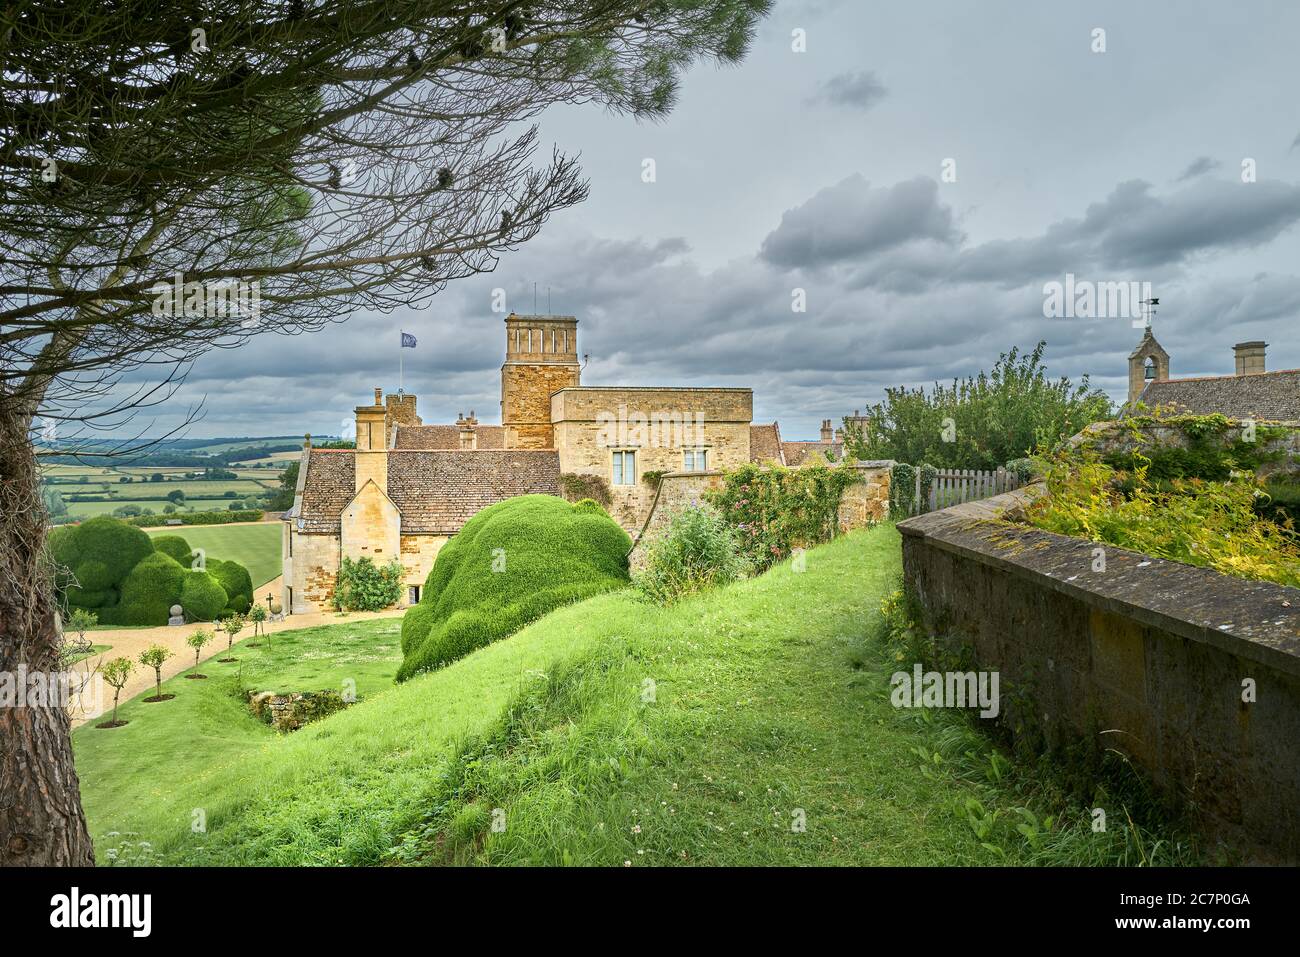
<point>541,358</point>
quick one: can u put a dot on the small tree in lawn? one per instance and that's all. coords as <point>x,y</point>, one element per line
<point>232,625</point>
<point>80,623</point>
<point>116,673</point>
<point>197,641</point>
<point>153,657</point>
<point>257,616</point>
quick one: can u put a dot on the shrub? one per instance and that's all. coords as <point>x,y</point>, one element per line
<point>201,596</point>
<point>235,581</point>
<point>1211,524</point>
<point>697,550</point>
<point>115,545</point>
<point>776,509</point>
<point>575,487</point>
<point>365,586</point>
<point>148,593</point>
<point>155,656</point>
<point>201,518</point>
<point>175,546</point>
<point>512,563</point>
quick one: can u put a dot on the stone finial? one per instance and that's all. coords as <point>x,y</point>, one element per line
<point>306,441</point>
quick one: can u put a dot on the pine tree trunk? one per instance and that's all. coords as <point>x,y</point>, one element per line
<point>41,821</point>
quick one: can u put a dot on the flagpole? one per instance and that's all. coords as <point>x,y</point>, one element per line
<point>400,368</point>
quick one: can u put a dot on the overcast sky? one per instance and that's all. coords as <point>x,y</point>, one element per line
<point>823,171</point>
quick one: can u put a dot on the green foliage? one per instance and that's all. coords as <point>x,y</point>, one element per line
<point>201,518</point>
<point>149,592</point>
<point>1212,524</point>
<point>775,509</point>
<point>902,491</point>
<point>512,563</point>
<point>115,546</point>
<point>576,487</point>
<point>1281,500</point>
<point>235,581</point>
<point>117,671</point>
<point>175,546</point>
<point>982,421</point>
<point>697,550</point>
<point>365,586</point>
<point>202,597</point>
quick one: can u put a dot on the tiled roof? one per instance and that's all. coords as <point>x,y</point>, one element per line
<point>765,443</point>
<point>1268,395</point>
<point>330,485</point>
<point>436,491</point>
<point>796,452</point>
<point>439,491</point>
<point>430,437</point>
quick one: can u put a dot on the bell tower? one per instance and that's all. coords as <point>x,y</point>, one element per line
<point>541,358</point>
<point>1147,362</point>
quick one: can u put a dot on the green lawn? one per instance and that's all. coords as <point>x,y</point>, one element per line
<point>256,546</point>
<point>749,725</point>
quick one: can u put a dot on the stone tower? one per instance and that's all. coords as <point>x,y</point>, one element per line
<point>372,443</point>
<point>541,358</point>
<point>1148,352</point>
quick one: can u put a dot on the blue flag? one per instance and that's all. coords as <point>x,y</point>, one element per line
<point>408,341</point>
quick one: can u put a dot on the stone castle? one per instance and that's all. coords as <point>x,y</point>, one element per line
<point>408,487</point>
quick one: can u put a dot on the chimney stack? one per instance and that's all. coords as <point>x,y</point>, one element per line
<point>1250,357</point>
<point>828,434</point>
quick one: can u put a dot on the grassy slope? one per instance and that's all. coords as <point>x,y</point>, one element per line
<point>769,696</point>
<point>256,546</point>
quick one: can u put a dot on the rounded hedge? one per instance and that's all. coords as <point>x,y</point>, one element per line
<point>511,563</point>
<point>148,593</point>
<point>202,596</point>
<point>120,547</point>
<point>175,546</point>
<point>235,581</point>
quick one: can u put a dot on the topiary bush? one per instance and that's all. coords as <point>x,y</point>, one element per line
<point>512,563</point>
<point>697,550</point>
<point>235,581</point>
<point>202,597</point>
<point>148,593</point>
<point>175,546</point>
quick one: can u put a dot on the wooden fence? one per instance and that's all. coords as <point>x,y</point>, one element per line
<point>956,486</point>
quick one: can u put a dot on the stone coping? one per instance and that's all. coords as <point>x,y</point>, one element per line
<point>1254,620</point>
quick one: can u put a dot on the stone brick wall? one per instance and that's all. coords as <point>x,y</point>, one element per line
<point>418,554</point>
<point>867,501</point>
<point>590,423</point>
<point>371,527</point>
<point>676,492</point>
<point>541,358</point>
<point>1149,657</point>
<point>314,567</point>
<point>1121,436</point>
<point>289,712</point>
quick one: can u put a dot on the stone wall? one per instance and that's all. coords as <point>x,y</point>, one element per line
<point>1125,436</point>
<point>289,712</point>
<point>659,425</point>
<point>1149,657</point>
<point>867,501</point>
<point>371,527</point>
<point>418,555</point>
<point>314,567</point>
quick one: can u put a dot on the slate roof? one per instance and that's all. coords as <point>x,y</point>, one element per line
<point>429,437</point>
<point>1268,395</point>
<point>765,444</point>
<point>439,491</point>
<point>436,491</point>
<point>796,452</point>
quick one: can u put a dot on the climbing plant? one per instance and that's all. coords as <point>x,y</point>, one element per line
<point>777,509</point>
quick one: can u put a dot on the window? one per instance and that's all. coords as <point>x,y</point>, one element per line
<point>695,460</point>
<point>413,595</point>
<point>624,468</point>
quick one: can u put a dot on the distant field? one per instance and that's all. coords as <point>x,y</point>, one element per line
<point>255,546</point>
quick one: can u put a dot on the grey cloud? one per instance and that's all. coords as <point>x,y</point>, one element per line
<point>859,91</point>
<point>1197,167</point>
<point>852,219</point>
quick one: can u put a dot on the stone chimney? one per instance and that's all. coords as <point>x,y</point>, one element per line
<point>372,444</point>
<point>828,434</point>
<point>1250,357</point>
<point>468,435</point>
